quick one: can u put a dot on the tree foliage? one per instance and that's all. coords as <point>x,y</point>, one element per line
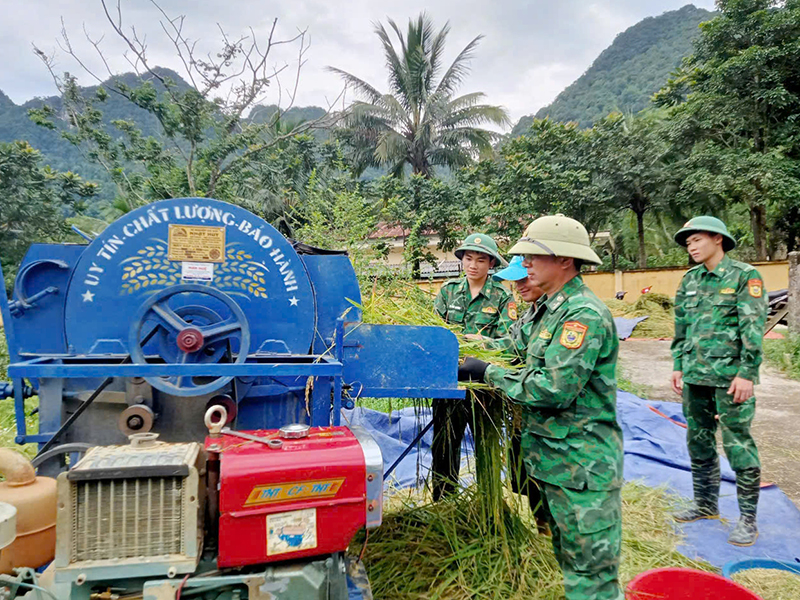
<point>204,144</point>
<point>735,107</point>
<point>36,202</point>
<point>419,123</point>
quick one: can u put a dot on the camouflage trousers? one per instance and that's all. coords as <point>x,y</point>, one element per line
<point>521,482</point>
<point>587,539</point>
<point>701,404</point>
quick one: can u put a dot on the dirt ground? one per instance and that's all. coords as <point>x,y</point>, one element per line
<point>777,422</point>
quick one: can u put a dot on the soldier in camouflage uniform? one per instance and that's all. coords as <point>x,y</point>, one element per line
<point>720,314</point>
<point>567,389</point>
<point>479,305</point>
<point>513,343</point>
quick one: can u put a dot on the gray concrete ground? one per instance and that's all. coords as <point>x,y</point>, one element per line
<point>777,423</point>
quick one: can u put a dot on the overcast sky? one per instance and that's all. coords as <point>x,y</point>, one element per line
<point>532,49</point>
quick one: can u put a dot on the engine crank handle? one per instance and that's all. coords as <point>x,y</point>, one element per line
<point>272,443</point>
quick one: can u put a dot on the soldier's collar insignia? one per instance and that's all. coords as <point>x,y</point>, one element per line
<point>573,334</point>
<point>545,335</point>
<point>489,310</point>
<point>756,288</point>
<point>727,291</point>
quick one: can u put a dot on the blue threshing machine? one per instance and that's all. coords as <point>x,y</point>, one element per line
<point>183,311</point>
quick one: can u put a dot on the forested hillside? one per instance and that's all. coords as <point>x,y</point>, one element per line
<point>63,156</point>
<point>627,73</point>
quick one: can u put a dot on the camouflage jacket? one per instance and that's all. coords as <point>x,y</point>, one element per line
<point>568,391</point>
<point>515,342</point>
<point>490,313</point>
<point>720,318</point>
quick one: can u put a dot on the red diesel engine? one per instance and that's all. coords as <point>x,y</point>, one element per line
<point>295,492</point>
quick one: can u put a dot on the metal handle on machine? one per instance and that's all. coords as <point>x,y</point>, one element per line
<point>24,302</point>
<point>269,442</point>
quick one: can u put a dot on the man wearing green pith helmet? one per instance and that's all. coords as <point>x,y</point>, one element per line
<point>478,305</point>
<point>720,315</point>
<point>567,388</point>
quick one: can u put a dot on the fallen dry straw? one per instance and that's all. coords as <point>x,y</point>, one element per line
<point>770,584</point>
<point>449,551</point>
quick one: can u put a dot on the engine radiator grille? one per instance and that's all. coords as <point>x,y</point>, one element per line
<point>118,519</point>
<point>131,511</point>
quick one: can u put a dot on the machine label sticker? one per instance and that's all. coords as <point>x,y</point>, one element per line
<point>197,271</point>
<point>300,490</point>
<point>196,243</point>
<point>291,531</point>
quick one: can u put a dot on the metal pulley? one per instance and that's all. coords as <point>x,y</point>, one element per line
<point>136,419</point>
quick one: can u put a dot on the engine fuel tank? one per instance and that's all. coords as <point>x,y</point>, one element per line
<point>305,496</point>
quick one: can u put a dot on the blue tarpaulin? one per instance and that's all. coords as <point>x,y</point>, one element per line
<point>625,326</point>
<point>655,453</point>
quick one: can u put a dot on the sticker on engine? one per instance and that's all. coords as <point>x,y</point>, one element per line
<point>196,243</point>
<point>291,531</point>
<point>197,271</point>
<point>299,490</point>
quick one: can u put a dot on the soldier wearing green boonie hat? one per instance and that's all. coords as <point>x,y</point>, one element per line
<point>720,315</point>
<point>566,386</point>
<point>478,305</point>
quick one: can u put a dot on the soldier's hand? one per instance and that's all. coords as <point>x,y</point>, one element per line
<point>741,389</point>
<point>677,382</point>
<point>473,337</point>
<point>472,369</point>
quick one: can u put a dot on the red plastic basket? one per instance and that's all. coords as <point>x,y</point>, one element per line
<point>685,584</point>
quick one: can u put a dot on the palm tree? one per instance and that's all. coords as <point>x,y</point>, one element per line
<point>418,122</point>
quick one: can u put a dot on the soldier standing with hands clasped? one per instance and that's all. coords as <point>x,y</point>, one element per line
<point>720,315</point>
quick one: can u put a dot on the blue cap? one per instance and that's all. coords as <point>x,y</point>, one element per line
<point>513,272</point>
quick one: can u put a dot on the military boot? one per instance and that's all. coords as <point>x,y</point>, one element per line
<point>748,486</point>
<point>705,480</point>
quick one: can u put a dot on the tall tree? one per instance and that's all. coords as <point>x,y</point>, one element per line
<point>419,122</point>
<point>736,104</point>
<point>630,158</point>
<point>549,169</point>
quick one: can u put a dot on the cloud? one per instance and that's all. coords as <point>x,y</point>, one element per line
<point>532,49</point>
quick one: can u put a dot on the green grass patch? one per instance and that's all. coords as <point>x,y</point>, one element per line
<point>626,385</point>
<point>784,354</point>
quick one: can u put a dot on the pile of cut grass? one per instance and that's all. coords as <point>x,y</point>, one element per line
<point>449,551</point>
<point>658,308</point>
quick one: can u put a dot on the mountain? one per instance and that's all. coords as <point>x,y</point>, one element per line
<point>627,73</point>
<point>63,156</point>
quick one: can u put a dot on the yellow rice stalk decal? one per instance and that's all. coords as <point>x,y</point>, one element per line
<point>239,275</point>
